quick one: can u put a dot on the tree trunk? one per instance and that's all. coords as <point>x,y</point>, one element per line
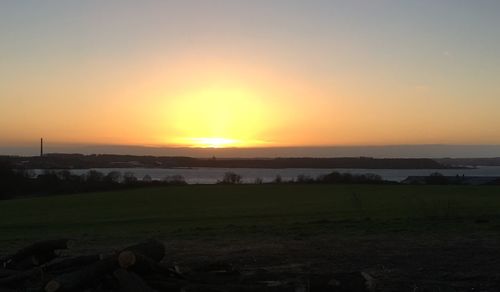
<point>87,277</point>
<point>153,249</point>
<point>71,264</point>
<point>35,254</point>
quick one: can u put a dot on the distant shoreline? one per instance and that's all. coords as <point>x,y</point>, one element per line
<point>80,161</point>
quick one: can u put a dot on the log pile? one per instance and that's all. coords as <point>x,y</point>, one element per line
<point>141,268</point>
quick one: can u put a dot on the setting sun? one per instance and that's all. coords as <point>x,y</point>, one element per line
<point>215,142</point>
<point>217,117</point>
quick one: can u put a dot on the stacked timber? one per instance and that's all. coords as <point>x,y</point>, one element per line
<point>140,268</point>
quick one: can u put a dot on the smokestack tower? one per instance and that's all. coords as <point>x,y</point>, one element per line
<point>41,147</point>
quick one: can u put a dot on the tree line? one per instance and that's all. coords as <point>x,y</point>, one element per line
<point>19,182</point>
<point>15,182</point>
<point>331,178</point>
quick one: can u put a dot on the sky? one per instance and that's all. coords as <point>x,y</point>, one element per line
<point>261,73</point>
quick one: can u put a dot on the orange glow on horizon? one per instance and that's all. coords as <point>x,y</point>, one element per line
<point>189,74</point>
<point>213,102</point>
<point>214,142</point>
<point>217,117</point>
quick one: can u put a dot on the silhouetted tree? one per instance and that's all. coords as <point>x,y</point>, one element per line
<point>7,179</point>
<point>302,178</point>
<point>48,180</point>
<point>113,177</point>
<point>129,178</point>
<point>231,178</point>
<point>373,177</point>
<point>348,178</point>
<point>436,178</point>
<point>333,177</point>
<point>64,175</point>
<point>175,180</point>
<point>94,176</point>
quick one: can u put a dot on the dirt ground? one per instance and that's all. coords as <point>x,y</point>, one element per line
<point>397,262</point>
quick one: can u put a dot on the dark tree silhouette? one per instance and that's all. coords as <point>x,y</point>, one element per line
<point>304,179</point>
<point>94,176</point>
<point>129,178</point>
<point>436,178</point>
<point>113,177</point>
<point>231,178</point>
<point>175,180</point>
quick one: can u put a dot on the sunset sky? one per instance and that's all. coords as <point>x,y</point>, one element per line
<point>260,73</point>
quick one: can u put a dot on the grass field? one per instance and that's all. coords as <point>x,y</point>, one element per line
<point>218,210</point>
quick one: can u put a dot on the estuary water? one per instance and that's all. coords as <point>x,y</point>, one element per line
<point>205,175</point>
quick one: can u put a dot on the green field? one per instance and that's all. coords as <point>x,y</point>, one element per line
<point>220,210</point>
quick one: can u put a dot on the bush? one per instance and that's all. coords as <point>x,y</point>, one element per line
<point>348,178</point>
<point>176,179</point>
<point>436,178</point>
<point>113,177</point>
<point>231,178</point>
<point>94,176</point>
<point>129,178</point>
<point>304,179</point>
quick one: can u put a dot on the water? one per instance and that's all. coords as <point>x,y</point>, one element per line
<point>206,175</point>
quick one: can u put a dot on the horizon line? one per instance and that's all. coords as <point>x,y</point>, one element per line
<point>375,151</point>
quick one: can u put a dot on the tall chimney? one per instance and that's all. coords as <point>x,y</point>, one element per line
<point>41,147</point>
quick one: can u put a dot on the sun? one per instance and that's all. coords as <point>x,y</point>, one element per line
<point>217,117</point>
<point>214,142</point>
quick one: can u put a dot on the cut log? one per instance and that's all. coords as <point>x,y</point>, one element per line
<point>127,259</point>
<point>70,264</point>
<point>21,276</point>
<point>162,283</point>
<point>8,290</point>
<point>21,264</point>
<point>7,272</point>
<point>87,277</point>
<point>171,271</point>
<point>131,282</point>
<point>344,281</point>
<point>35,254</point>
<point>239,288</point>
<point>32,261</point>
<point>143,265</point>
<point>42,258</point>
<point>153,249</point>
<point>137,262</point>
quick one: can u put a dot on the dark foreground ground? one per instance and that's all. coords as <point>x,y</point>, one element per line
<point>409,238</point>
<point>398,262</point>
